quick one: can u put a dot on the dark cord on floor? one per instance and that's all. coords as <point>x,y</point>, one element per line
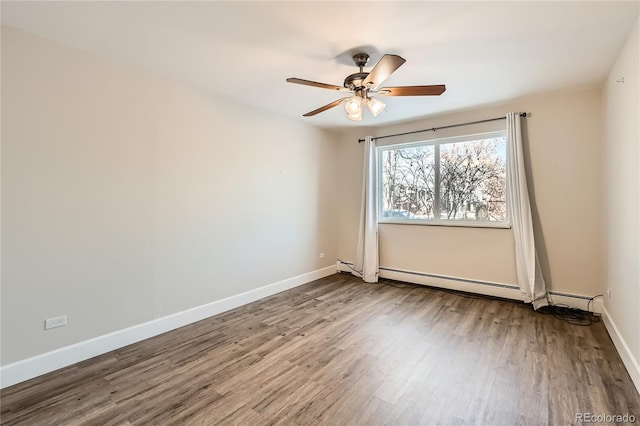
<point>570,315</point>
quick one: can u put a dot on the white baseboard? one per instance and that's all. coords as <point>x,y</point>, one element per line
<point>507,291</point>
<point>629,361</point>
<point>38,365</point>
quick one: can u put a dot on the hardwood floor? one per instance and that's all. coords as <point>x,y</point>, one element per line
<point>341,352</point>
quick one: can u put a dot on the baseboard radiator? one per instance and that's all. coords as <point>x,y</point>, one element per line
<point>488,288</point>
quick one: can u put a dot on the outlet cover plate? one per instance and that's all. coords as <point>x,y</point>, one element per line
<point>55,322</point>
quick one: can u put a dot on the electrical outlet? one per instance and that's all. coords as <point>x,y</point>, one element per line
<point>55,322</point>
<point>321,255</point>
<point>609,293</point>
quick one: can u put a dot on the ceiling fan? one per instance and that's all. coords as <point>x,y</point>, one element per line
<point>364,84</point>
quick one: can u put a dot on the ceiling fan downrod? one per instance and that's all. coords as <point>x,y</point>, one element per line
<point>355,81</point>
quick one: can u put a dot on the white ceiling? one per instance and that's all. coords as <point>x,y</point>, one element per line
<point>485,52</point>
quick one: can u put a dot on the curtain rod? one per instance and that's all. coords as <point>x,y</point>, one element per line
<point>433,129</point>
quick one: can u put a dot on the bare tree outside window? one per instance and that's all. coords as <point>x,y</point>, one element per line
<point>409,182</point>
<point>471,185</point>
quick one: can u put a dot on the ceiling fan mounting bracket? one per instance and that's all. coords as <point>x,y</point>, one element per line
<point>361,60</point>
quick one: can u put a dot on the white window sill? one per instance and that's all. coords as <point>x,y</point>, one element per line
<point>452,223</point>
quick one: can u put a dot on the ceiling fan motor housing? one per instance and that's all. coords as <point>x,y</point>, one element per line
<point>354,81</point>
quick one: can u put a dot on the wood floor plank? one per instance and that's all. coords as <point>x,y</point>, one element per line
<point>342,352</point>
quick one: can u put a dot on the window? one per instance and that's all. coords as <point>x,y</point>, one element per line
<point>454,181</point>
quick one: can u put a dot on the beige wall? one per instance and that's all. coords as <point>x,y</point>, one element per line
<point>563,149</point>
<point>126,197</point>
<point>622,198</point>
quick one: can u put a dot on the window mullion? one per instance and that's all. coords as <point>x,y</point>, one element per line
<point>436,189</point>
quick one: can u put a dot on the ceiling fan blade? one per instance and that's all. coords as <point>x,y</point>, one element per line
<point>434,90</point>
<point>383,69</point>
<point>315,84</point>
<point>326,107</point>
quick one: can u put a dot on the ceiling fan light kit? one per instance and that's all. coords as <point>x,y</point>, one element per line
<point>364,84</point>
<point>354,107</point>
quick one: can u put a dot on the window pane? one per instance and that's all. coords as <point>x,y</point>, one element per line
<point>473,180</point>
<point>408,182</point>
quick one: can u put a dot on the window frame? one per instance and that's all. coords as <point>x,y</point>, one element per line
<point>437,220</point>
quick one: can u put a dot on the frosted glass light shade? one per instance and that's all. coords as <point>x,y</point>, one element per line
<point>375,106</point>
<point>355,116</point>
<point>353,105</point>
